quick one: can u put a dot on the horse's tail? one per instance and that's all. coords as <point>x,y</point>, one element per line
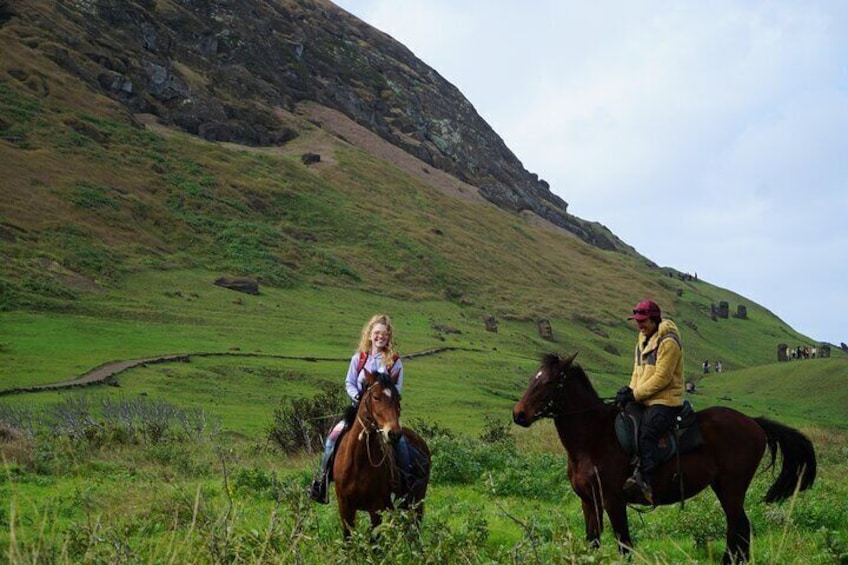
<point>799,459</point>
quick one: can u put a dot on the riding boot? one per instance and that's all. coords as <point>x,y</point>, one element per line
<point>318,491</point>
<point>402,457</point>
<point>638,485</point>
<point>643,478</point>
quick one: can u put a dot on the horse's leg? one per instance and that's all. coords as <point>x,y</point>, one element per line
<point>617,512</point>
<point>738,526</point>
<point>416,508</point>
<point>376,520</point>
<point>594,521</point>
<point>348,515</point>
<point>419,513</point>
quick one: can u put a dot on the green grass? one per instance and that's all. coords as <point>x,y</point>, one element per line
<point>67,502</point>
<point>798,392</point>
<point>203,500</point>
<point>160,313</point>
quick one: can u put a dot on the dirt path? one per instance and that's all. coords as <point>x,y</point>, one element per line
<point>106,373</point>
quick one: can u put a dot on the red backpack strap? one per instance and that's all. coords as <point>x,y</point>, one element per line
<point>363,356</point>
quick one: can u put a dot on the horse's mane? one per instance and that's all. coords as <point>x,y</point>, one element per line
<point>385,380</point>
<point>553,363</point>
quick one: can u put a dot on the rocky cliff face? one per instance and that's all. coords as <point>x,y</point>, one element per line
<point>222,69</point>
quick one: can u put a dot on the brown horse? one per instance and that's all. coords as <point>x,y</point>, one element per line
<point>364,470</point>
<point>733,446</point>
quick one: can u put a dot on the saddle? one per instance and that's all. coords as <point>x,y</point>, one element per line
<point>419,466</point>
<point>683,437</point>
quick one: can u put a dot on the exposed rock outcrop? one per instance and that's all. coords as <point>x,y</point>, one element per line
<point>224,70</point>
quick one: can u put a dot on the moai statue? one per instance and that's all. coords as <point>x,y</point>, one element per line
<point>545,331</point>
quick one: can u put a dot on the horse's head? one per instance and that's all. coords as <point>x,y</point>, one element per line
<point>544,390</point>
<point>379,408</point>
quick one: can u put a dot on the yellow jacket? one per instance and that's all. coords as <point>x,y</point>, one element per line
<point>658,367</point>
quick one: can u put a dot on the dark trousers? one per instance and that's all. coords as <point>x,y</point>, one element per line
<point>656,421</point>
<point>402,456</point>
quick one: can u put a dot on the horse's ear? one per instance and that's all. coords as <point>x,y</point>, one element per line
<point>567,361</point>
<point>370,378</point>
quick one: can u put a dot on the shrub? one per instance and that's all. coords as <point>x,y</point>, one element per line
<point>72,418</point>
<point>430,430</point>
<point>455,461</point>
<point>529,475</point>
<point>303,423</point>
<point>15,446</point>
<point>76,424</point>
<point>22,419</point>
<point>497,432</point>
<point>253,481</point>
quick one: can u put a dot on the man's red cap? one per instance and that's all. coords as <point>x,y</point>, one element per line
<point>645,310</point>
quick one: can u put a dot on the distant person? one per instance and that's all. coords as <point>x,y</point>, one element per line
<point>719,367</point>
<point>706,366</point>
<point>376,354</point>
<point>656,390</point>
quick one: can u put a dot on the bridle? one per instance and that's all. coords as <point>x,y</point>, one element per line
<point>371,426</point>
<point>551,410</point>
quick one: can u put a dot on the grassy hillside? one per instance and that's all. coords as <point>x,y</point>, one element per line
<point>96,200</point>
<point>797,392</point>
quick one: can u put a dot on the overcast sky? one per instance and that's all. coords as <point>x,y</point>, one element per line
<point>711,136</point>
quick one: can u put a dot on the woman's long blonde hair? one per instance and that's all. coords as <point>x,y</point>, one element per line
<point>365,340</point>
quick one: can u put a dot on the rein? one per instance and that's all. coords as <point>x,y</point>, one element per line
<point>550,410</point>
<point>367,429</point>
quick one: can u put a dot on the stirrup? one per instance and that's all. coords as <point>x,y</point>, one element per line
<point>636,486</point>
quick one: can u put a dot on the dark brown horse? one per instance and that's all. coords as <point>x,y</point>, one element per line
<point>733,446</point>
<point>365,471</point>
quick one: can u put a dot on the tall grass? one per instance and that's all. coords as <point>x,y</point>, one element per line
<point>491,500</point>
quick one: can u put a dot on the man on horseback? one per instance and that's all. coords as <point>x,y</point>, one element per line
<point>656,385</point>
<point>376,353</point>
